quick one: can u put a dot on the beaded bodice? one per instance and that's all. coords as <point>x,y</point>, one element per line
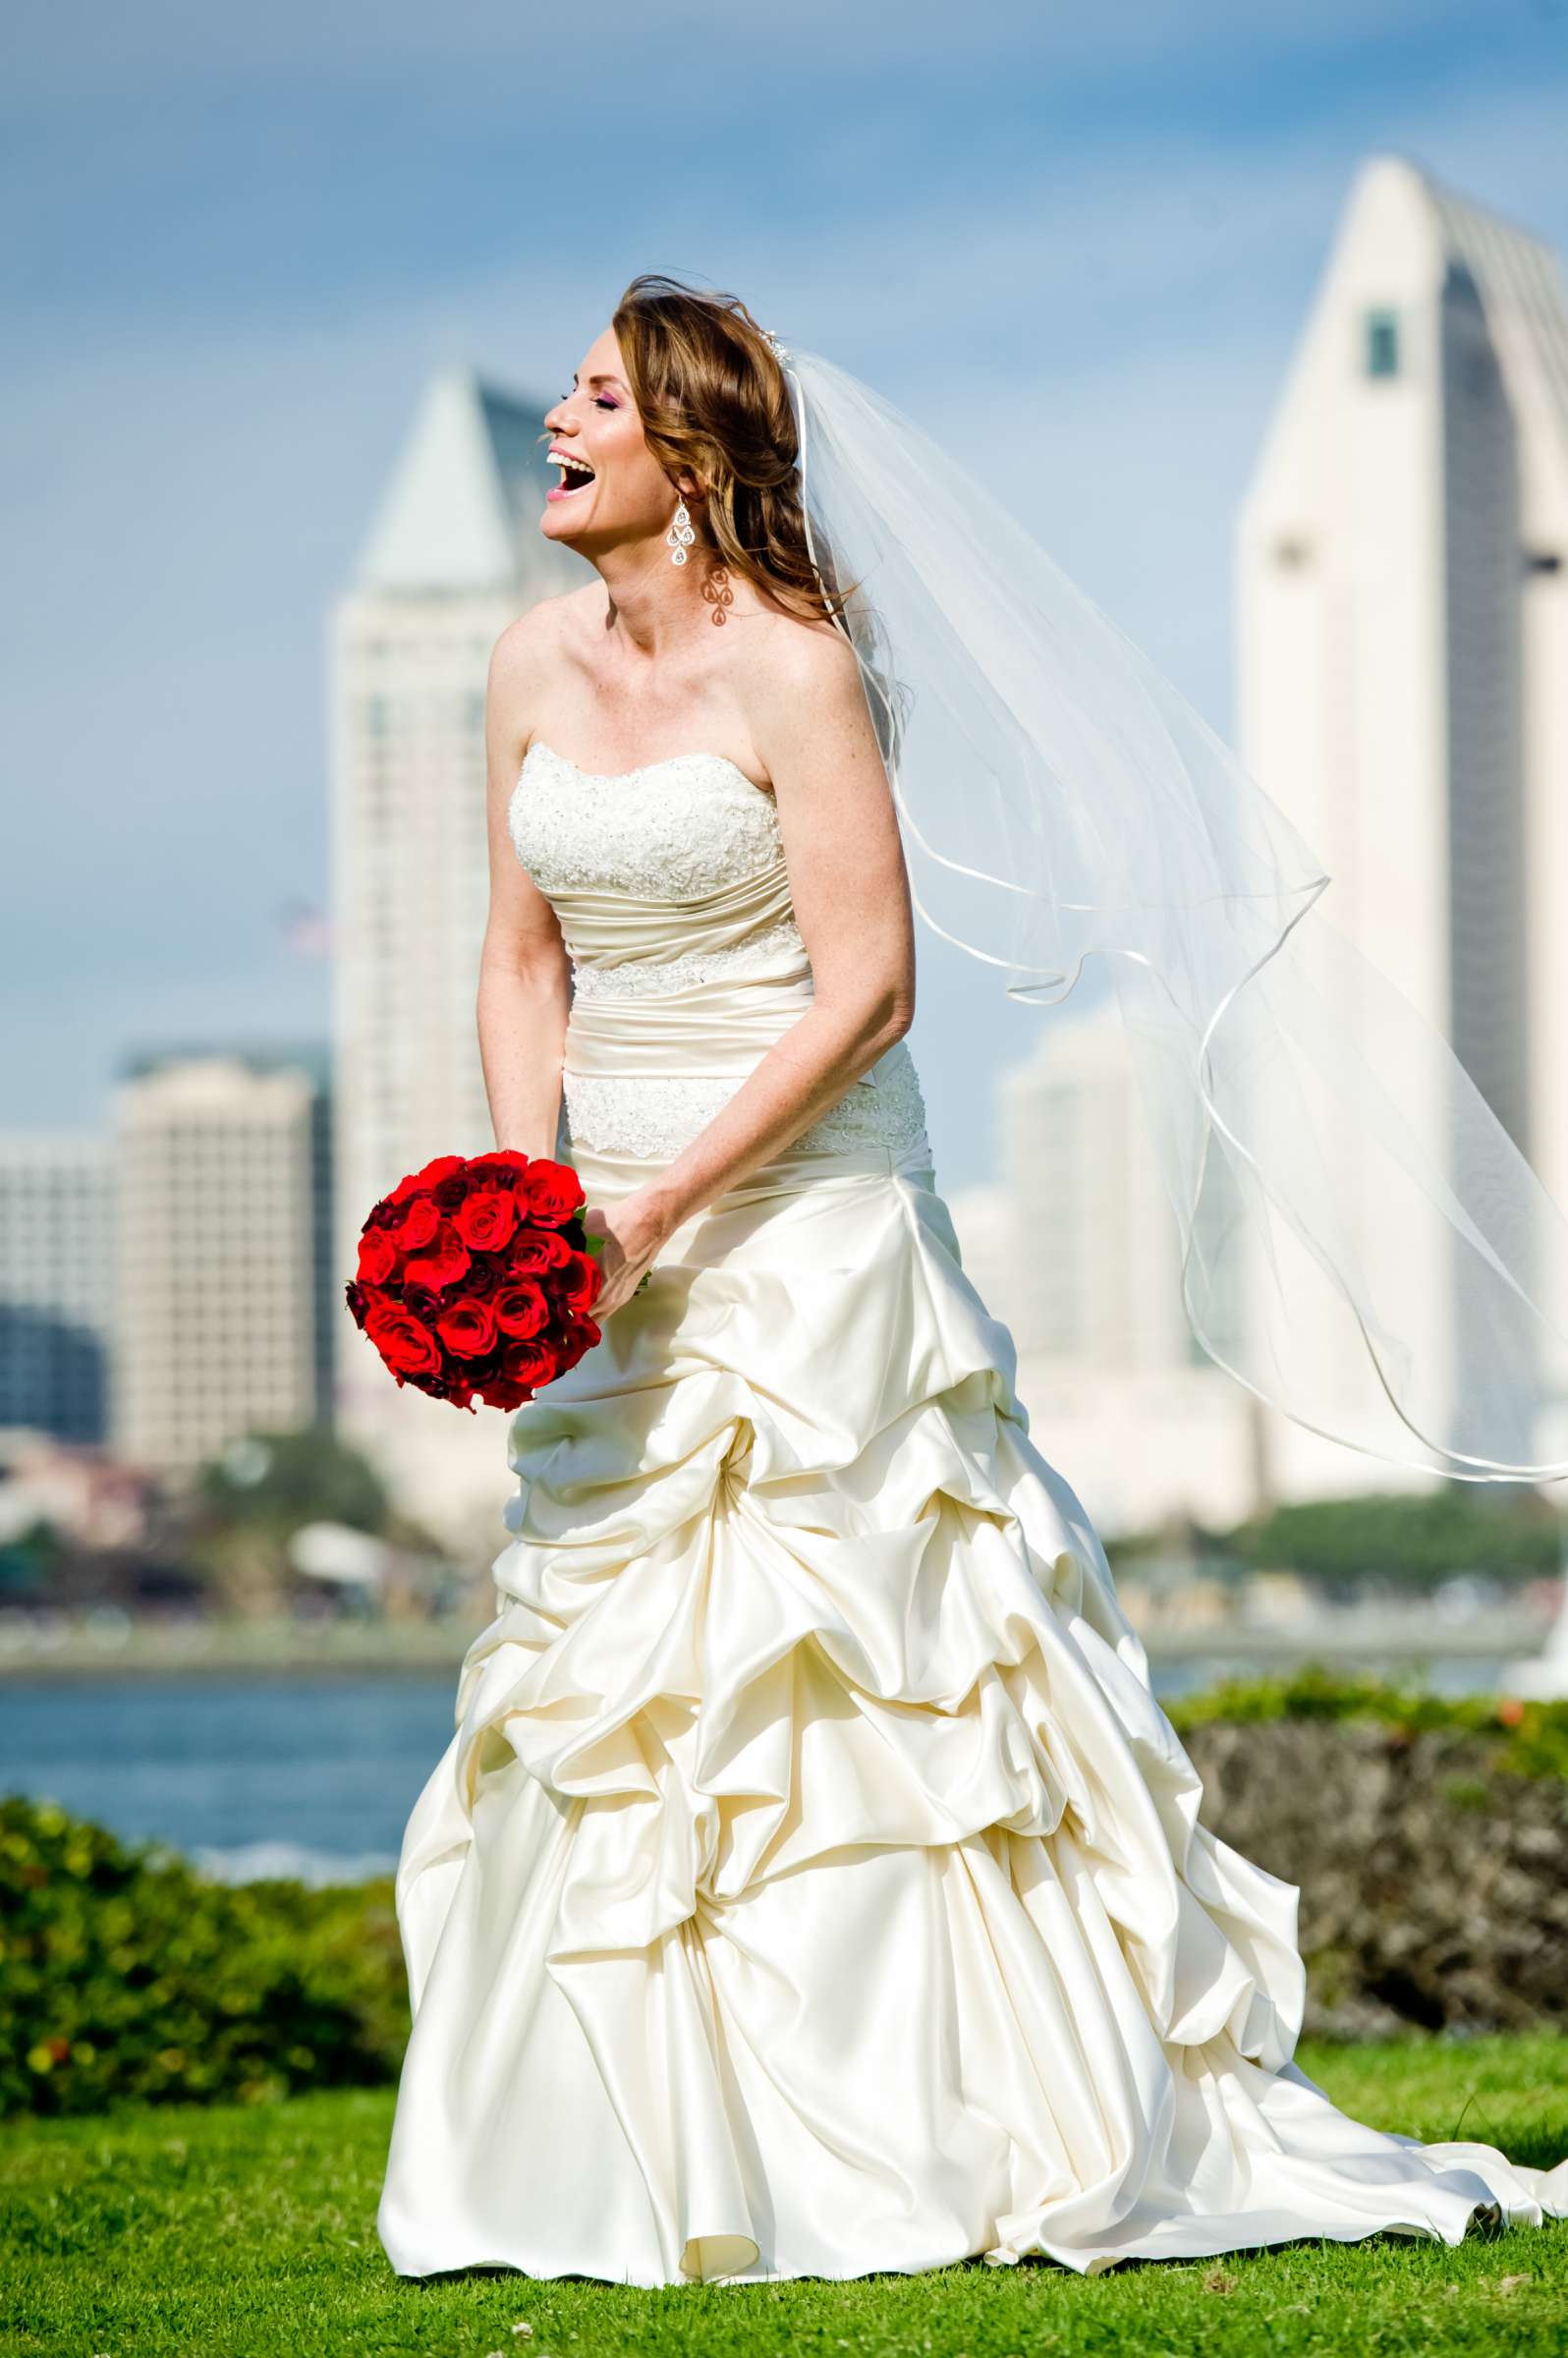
<point>670,885</point>
<point>670,830</point>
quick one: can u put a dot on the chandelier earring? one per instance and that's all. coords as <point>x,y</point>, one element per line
<point>680,536</point>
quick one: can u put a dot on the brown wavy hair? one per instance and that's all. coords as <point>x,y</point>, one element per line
<point>713,401</point>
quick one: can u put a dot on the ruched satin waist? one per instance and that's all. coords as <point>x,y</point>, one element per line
<point>713,1028</point>
<point>703,1029</point>
<point>799,1170</point>
<point>644,1073</point>
<point>608,930</point>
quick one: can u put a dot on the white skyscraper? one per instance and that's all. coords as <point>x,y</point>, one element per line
<point>1403,632</point>
<point>985,1226</point>
<point>1098,1279</point>
<point>217,1244</point>
<point>454,555</point>
<point>1080,1254</point>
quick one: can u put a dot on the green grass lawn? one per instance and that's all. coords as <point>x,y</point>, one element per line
<point>193,2229</point>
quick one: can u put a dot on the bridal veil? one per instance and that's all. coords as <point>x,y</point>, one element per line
<point>1362,1243</point>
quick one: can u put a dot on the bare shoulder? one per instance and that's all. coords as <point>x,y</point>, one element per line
<point>542,633</point>
<point>526,661</point>
<point>794,657</point>
<point>807,712</point>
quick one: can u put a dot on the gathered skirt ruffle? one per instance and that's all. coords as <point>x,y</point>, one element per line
<point>812,1883</point>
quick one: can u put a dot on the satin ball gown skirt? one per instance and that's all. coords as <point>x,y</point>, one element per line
<point>812,1884</point>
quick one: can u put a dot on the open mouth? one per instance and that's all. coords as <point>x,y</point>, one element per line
<point>576,475</point>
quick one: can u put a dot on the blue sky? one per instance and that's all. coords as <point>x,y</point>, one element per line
<point>1082,241</point>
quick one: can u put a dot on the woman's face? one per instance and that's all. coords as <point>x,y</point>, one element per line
<point>628,496</point>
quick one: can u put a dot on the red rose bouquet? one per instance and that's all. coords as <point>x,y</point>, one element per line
<point>476,1277</point>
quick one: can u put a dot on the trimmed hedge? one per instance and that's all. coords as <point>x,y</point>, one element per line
<point>1434,1890</point>
<point>1517,1738</point>
<point>126,1974</point>
<point>1429,1837</point>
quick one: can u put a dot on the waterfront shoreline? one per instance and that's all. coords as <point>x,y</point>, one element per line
<point>291,1649</point>
<point>258,1649</point>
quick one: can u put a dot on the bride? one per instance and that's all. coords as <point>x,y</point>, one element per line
<point>812,1884</point>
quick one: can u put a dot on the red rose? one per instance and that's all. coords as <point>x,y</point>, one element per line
<point>578,1283</point>
<point>444,1265</point>
<point>420,1222</point>
<point>538,1249</point>
<point>521,1309</point>
<point>378,1256</point>
<point>432,1171</point>
<point>406,1344</point>
<point>504,1168</point>
<point>532,1364</point>
<point>552,1192</point>
<point>504,1391</point>
<point>487,1219</point>
<point>468,1328</point>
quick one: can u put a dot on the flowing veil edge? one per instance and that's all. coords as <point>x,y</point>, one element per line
<point>1362,1244</point>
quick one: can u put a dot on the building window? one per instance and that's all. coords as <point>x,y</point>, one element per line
<point>1381,347</point>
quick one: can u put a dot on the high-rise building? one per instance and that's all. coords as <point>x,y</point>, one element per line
<point>1403,637</point>
<point>454,555</point>
<point>56,1282</point>
<point>1098,1280</point>
<point>984,1223</point>
<point>220,1185</point>
<point>1076,1251</point>
<point>1081,1260</point>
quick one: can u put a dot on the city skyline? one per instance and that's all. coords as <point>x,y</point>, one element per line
<point>446,557</point>
<point>1103,299</point>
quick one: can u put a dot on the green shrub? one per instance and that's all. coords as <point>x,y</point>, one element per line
<point>1530,1739</point>
<point>126,1974</point>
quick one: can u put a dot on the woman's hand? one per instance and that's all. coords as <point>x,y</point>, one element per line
<point>632,1232</point>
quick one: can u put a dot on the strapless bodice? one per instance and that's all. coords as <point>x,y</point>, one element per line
<point>670,885</point>
<point>662,876</point>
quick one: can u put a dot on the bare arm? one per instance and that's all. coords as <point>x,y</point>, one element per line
<point>524,973</point>
<point>851,896</point>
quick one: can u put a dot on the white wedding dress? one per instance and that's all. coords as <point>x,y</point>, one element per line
<point>812,1884</point>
